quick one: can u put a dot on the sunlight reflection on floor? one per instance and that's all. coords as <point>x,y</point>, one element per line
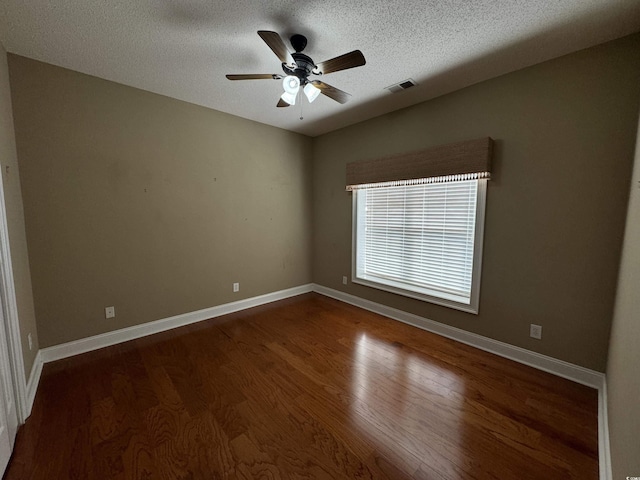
<point>390,386</point>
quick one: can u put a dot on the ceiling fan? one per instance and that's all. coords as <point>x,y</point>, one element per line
<point>298,67</point>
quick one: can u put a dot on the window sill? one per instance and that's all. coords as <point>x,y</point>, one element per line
<point>425,297</point>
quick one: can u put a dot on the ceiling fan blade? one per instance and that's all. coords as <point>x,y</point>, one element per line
<point>282,103</point>
<point>277,45</point>
<point>254,76</point>
<point>343,62</point>
<point>331,92</point>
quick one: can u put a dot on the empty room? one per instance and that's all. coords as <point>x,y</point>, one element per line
<point>320,240</point>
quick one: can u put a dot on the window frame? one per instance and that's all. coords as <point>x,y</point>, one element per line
<point>438,298</point>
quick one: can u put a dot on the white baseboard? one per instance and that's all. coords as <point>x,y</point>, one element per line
<point>604,449</point>
<point>542,362</point>
<point>64,350</point>
<point>567,370</point>
<point>32,384</point>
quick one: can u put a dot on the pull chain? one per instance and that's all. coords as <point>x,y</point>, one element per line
<point>301,117</point>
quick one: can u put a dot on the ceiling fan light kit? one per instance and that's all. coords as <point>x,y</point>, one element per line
<point>298,67</point>
<point>311,92</point>
<point>289,98</point>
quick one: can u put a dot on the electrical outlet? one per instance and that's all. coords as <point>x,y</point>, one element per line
<point>30,342</point>
<point>535,331</point>
<point>344,280</point>
<point>109,312</point>
<point>236,287</point>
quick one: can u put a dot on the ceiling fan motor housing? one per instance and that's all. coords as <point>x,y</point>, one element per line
<point>304,66</point>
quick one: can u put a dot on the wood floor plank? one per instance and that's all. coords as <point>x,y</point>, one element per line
<point>305,388</point>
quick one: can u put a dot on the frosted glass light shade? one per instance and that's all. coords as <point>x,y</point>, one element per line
<point>291,84</point>
<point>311,91</point>
<point>290,98</point>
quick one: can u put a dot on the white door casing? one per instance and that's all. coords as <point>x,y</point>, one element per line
<point>14,408</point>
<point>5,441</point>
<point>8,413</point>
<point>12,360</point>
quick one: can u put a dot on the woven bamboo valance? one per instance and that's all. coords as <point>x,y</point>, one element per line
<point>455,161</point>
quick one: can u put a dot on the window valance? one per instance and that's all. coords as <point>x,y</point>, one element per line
<point>455,161</point>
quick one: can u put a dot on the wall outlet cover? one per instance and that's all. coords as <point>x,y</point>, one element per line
<point>535,331</point>
<point>109,312</point>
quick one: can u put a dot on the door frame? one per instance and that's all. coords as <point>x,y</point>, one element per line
<point>18,383</point>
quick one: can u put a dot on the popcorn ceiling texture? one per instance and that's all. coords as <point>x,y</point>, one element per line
<point>183,49</point>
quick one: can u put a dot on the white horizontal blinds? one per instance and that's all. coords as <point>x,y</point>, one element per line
<point>419,236</point>
<point>416,220</point>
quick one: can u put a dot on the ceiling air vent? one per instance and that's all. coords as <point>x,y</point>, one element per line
<point>398,87</point>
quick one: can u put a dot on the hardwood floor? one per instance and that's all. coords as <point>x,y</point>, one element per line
<point>304,388</point>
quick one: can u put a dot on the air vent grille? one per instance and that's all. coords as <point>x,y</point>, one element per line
<point>399,87</point>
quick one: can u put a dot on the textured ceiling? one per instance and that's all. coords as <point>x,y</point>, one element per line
<point>184,48</point>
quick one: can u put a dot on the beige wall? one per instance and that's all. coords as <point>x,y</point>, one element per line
<point>156,206</point>
<point>15,220</point>
<point>565,133</point>
<point>623,380</point>
<point>150,204</point>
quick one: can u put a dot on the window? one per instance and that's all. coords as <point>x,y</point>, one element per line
<point>418,221</point>
<point>421,240</point>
